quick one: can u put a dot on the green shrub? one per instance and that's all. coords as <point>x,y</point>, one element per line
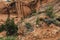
<point>10,38</point>
<point>49,12</point>
<point>11,27</point>
<point>28,26</point>
<point>37,21</point>
<point>33,13</point>
<point>2,27</point>
<point>48,21</point>
<point>1,38</point>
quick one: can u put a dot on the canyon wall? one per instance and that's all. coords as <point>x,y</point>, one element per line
<point>22,10</point>
<point>26,10</point>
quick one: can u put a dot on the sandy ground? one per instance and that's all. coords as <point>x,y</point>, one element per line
<point>43,33</point>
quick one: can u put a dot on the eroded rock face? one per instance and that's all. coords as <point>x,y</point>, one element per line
<point>25,9</point>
